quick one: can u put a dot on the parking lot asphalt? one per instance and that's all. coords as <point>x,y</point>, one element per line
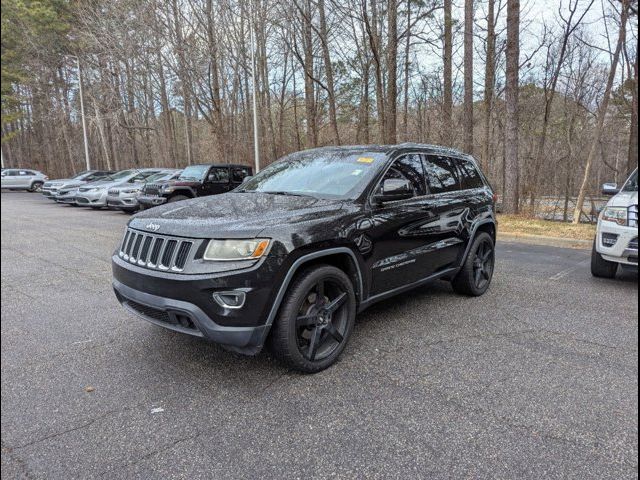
<point>536,379</point>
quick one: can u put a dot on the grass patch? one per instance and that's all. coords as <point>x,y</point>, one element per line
<point>521,225</point>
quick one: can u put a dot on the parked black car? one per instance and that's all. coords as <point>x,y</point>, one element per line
<point>195,181</point>
<point>291,256</point>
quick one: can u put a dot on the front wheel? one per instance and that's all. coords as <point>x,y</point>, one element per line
<point>600,267</point>
<point>475,275</point>
<point>177,198</point>
<point>315,320</point>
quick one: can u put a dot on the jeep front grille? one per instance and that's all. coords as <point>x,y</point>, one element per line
<point>113,192</point>
<point>633,216</point>
<point>156,251</point>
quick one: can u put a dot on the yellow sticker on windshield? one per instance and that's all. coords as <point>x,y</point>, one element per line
<point>365,160</point>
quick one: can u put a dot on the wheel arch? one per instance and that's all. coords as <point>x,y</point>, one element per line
<point>488,225</point>
<point>341,257</point>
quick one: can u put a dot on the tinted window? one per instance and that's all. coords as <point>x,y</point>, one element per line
<point>409,168</point>
<point>218,175</point>
<point>469,175</point>
<point>238,174</point>
<point>442,175</point>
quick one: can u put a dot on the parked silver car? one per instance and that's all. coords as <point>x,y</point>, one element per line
<point>125,196</point>
<point>23,179</point>
<point>94,194</point>
<point>51,188</point>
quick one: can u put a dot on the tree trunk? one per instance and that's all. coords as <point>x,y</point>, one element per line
<point>632,158</point>
<point>392,72</point>
<point>468,77</point>
<point>602,112</point>
<point>489,83</point>
<point>447,105</point>
<point>512,165</point>
<point>324,41</point>
<point>309,88</point>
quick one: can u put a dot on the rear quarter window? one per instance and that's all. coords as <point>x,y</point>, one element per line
<point>469,176</point>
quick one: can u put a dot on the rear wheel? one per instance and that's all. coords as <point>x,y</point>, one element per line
<point>475,276</point>
<point>177,198</point>
<point>315,320</point>
<point>600,267</point>
<point>36,187</point>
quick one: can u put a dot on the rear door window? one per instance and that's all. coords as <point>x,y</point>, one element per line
<point>469,176</point>
<point>441,174</point>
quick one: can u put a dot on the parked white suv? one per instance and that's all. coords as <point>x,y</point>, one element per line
<point>23,179</point>
<point>616,240</point>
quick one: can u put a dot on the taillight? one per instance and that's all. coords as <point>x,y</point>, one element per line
<point>495,198</point>
<point>46,178</point>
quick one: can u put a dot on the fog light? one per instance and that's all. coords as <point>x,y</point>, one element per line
<point>232,299</point>
<point>609,239</point>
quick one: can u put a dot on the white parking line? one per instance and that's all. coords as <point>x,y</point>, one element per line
<point>564,273</point>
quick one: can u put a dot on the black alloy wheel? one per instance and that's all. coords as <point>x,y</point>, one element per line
<point>474,278</point>
<point>315,320</point>
<point>321,321</point>
<point>483,264</point>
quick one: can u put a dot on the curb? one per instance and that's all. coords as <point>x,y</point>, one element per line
<point>545,240</point>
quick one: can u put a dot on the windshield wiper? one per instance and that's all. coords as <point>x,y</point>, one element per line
<point>292,194</point>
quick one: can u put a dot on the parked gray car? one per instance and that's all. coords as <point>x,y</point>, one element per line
<point>51,188</point>
<point>125,196</point>
<point>23,179</point>
<point>94,194</point>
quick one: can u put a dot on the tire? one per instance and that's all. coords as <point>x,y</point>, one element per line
<point>600,267</point>
<point>36,187</point>
<point>128,211</point>
<point>96,208</point>
<point>474,278</point>
<point>177,198</point>
<point>311,330</point>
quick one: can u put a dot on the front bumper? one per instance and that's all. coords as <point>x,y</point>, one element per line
<point>187,318</point>
<point>185,303</point>
<point>124,202</point>
<point>151,200</point>
<point>625,249</point>
<point>68,199</point>
<point>92,199</point>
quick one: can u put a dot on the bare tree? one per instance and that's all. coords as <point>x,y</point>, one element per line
<point>602,112</point>
<point>468,77</point>
<point>512,162</point>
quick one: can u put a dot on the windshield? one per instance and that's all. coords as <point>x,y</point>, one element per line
<point>194,172</point>
<point>160,176</point>
<point>337,174</point>
<point>632,183</point>
<point>119,175</point>
<point>82,174</point>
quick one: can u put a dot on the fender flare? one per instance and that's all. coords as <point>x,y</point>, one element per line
<point>472,236</point>
<point>182,190</point>
<point>296,266</point>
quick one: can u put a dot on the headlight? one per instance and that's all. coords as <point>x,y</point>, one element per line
<point>616,215</point>
<point>94,189</point>
<point>130,190</point>
<point>236,249</point>
<point>167,189</point>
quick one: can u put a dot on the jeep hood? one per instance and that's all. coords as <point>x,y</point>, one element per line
<point>624,199</point>
<point>233,215</point>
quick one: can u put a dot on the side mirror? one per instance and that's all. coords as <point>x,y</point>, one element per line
<point>610,189</point>
<point>393,189</point>
<point>247,178</point>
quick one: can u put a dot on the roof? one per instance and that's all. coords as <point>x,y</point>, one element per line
<point>436,149</point>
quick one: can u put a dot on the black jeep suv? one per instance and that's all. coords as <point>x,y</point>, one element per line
<point>292,255</point>
<point>195,181</point>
